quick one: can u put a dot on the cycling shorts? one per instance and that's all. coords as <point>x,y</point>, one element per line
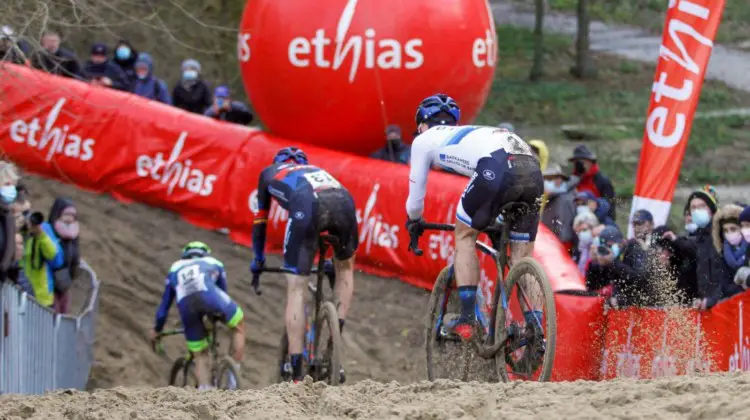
<point>214,303</point>
<point>332,212</point>
<point>498,180</point>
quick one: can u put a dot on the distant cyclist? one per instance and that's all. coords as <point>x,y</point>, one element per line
<point>316,203</point>
<point>502,170</point>
<point>199,284</point>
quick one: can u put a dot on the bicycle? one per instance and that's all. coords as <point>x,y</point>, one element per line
<point>221,366</point>
<point>321,363</point>
<point>500,336</point>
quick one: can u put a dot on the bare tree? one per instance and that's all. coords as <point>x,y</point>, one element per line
<point>537,69</point>
<point>584,67</point>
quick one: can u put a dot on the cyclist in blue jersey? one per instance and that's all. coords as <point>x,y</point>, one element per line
<point>502,169</point>
<point>199,284</point>
<point>316,203</point>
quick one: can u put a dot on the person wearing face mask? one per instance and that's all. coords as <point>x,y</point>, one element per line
<point>125,55</point>
<point>638,250</point>
<point>63,219</point>
<point>587,177</point>
<point>8,192</point>
<point>225,109</point>
<point>584,226</point>
<point>559,210</point>
<point>395,150</point>
<point>743,273</point>
<point>192,93</point>
<point>628,287</point>
<point>730,245</point>
<point>146,84</point>
<point>586,201</point>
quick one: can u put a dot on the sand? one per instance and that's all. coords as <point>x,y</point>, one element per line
<point>710,397</point>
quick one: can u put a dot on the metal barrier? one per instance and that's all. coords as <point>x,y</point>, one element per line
<point>41,350</point>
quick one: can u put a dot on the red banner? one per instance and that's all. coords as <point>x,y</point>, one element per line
<point>689,31</point>
<point>207,171</point>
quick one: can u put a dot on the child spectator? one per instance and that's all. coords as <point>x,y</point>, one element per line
<point>63,217</point>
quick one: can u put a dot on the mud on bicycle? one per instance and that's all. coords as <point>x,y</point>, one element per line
<point>519,350</point>
<point>224,374</point>
<point>323,362</point>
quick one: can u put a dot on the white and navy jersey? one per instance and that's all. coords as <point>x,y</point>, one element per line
<point>456,149</point>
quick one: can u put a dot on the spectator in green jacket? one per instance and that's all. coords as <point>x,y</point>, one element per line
<point>42,255</point>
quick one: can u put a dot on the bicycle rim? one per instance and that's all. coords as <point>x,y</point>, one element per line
<point>227,376</point>
<point>442,354</point>
<point>328,357</point>
<point>539,370</point>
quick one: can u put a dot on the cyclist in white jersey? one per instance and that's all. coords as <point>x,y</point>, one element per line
<point>502,168</point>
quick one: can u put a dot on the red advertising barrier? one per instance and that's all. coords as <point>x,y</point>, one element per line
<point>207,171</point>
<point>689,31</point>
<point>651,343</point>
<point>580,336</point>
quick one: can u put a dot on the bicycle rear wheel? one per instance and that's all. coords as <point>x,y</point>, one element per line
<point>328,358</point>
<point>446,356</point>
<point>527,354</point>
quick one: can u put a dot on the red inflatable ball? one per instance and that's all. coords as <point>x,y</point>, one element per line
<point>335,73</point>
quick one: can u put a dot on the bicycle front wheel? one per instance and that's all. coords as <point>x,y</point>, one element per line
<point>329,346</point>
<point>529,352</point>
<point>183,373</point>
<point>227,375</point>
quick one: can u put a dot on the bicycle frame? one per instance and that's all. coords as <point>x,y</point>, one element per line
<point>213,345</point>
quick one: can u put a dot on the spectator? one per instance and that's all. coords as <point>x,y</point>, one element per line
<point>192,94</point>
<point>607,269</point>
<point>225,109</point>
<point>667,269</point>
<point>586,201</point>
<point>584,226</point>
<point>710,268</point>
<point>8,192</point>
<point>587,177</point>
<point>395,150</point>
<point>683,252</point>
<point>10,50</point>
<point>560,209</point>
<point>742,275</point>
<point>102,72</point>
<point>148,85</point>
<point>21,208</point>
<point>41,255</point>
<point>638,251</point>
<point>56,60</point>
<point>690,227</point>
<point>730,245</point>
<point>16,273</point>
<point>62,218</point>
<point>541,151</point>
<point>125,56</point>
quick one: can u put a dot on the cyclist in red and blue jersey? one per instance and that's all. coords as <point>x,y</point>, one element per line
<point>199,284</point>
<point>316,203</point>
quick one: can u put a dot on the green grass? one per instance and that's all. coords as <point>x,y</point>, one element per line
<point>616,103</point>
<point>650,14</point>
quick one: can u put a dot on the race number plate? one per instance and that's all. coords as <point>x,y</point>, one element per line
<point>190,280</point>
<point>321,180</point>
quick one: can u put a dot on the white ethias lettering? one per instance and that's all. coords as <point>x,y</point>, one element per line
<point>176,174</point>
<point>385,53</point>
<point>739,360</point>
<point>373,229</point>
<point>484,51</point>
<point>57,140</point>
<point>243,47</point>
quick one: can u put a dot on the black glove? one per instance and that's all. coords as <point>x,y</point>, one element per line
<point>414,227</point>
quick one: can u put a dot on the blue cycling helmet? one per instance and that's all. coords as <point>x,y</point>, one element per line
<point>195,249</point>
<point>435,104</point>
<point>292,153</point>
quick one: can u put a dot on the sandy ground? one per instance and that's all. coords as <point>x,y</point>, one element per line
<point>711,397</point>
<point>131,247</point>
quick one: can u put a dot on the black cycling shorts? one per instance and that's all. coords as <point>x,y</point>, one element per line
<point>499,180</point>
<point>332,212</point>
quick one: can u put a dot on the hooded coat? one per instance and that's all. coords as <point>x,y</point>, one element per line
<point>151,87</point>
<point>70,247</point>
<point>730,212</point>
<point>127,65</point>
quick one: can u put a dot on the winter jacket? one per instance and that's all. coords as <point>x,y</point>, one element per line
<point>710,268</point>
<point>394,151</point>
<point>127,65</point>
<point>151,87</point>
<point>194,96</point>
<point>599,185</point>
<point>42,255</point>
<point>62,63</point>
<point>730,211</point>
<point>107,69</point>
<point>239,113</point>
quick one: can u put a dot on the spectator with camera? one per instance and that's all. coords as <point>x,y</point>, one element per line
<point>607,269</point>
<point>63,219</point>
<point>638,252</point>
<point>42,255</point>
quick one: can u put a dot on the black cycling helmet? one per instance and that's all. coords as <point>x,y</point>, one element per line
<point>290,153</point>
<point>438,110</point>
<point>195,249</point>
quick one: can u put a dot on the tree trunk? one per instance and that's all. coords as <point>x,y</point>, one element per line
<point>537,69</point>
<point>583,68</point>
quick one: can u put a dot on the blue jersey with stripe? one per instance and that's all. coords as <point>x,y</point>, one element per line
<point>456,149</point>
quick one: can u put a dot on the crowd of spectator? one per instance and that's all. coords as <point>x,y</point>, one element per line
<point>40,256</point>
<point>126,69</point>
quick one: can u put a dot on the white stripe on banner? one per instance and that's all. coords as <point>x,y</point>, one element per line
<point>658,208</point>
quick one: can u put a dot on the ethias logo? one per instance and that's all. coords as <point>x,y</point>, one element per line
<point>384,53</point>
<point>177,174</point>
<point>59,140</point>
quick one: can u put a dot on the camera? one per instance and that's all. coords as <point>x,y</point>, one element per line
<point>602,250</point>
<point>36,218</point>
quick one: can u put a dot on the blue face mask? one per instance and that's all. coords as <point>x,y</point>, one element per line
<point>700,217</point>
<point>615,250</point>
<point>189,74</point>
<point>551,188</point>
<point>691,227</point>
<point>8,193</point>
<point>122,53</point>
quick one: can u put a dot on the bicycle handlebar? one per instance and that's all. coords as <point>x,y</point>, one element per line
<point>414,239</point>
<point>256,276</point>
